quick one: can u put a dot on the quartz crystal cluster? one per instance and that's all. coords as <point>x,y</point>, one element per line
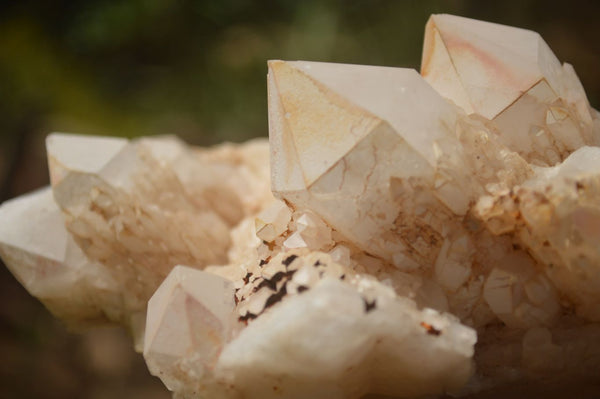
<point>429,233</point>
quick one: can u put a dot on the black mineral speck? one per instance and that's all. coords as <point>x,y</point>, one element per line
<point>248,316</point>
<point>267,283</point>
<point>287,261</point>
<point>273,299</point>
<point>302,288</point>
<point>369,305</point>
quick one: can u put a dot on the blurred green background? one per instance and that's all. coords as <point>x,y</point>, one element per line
<point>196,69</point>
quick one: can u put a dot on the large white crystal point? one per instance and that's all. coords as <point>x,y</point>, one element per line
<point>190,319</point>
<point>364,147</point>
<point>37,249</point>
<point>511,76</point>
<point>494,63</point>
<point>349,102</point>
<point>327,124</point>
<point>326,343</point>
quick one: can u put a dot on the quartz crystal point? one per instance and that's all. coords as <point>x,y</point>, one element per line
<point>512,77</point>
<point>132,210</point>
<point>190,319</point>
<point>375,152</point>
<point>41,254</point>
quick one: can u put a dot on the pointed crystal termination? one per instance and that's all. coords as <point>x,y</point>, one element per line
<point>190,319</point>
<point>40,253</point>
<point>126,208</point>
<point>375,151</point>
<point>273,221</point>
<point>132,210</point>
<point>510,76</point>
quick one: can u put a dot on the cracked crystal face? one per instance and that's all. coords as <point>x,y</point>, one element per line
<point>374,152</point>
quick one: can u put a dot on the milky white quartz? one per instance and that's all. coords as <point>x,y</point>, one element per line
<point>512,77</point>
<point>121,214</point>
<point>324,344</point>
<point>431,234</point>
<point>383,344</point>
<point>190,318</point>
<point>41,254</point>
<point>375,151</point>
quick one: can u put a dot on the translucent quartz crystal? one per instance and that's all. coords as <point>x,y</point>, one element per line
<point>190,317</point>
<point>41,254</point>
<point>433,234</point>
<point>132,210</point>
<point>273,221</point>
<point>510,76</point>
<point>376,151</point>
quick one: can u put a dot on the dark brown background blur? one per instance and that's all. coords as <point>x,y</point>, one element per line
<point>195,69</point>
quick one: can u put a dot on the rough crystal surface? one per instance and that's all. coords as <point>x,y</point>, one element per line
<point>432,233</point>
<point>120,214</point>
<point>512,77</point>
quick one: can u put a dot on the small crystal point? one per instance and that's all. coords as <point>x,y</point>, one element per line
<point>190,318</point>
<point>84,154</point>
<point>40,253</point>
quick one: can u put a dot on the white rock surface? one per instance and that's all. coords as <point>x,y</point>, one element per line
<point>393,349</point>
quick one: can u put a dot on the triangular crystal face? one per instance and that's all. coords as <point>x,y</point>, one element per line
<point>189,316</point>
<point>88,154</point>
<point>328,126</point>
<point>494,64</point>
<point>33,224</point>
<point>321,111</point>
<point>40,253</point>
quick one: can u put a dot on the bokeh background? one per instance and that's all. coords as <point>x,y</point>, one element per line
<point>196,69</point>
